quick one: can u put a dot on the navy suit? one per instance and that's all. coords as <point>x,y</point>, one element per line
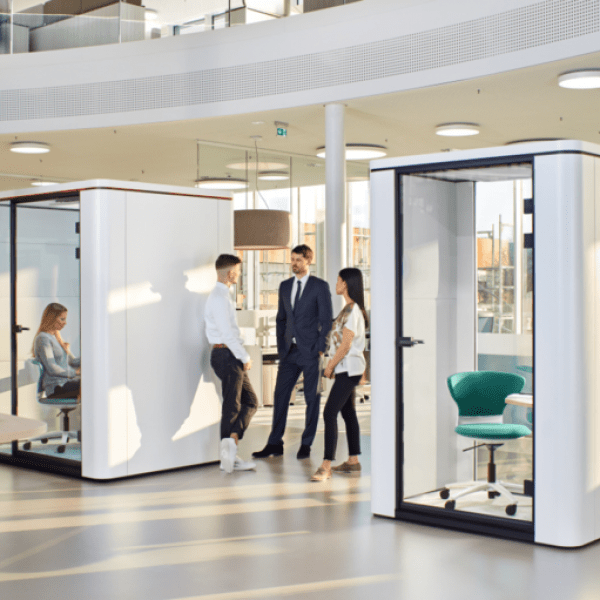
<point>309,323</point>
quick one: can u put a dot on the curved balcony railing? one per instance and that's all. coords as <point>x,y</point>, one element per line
<point>34,26</point>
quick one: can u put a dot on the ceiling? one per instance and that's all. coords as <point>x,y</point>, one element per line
<point>521,104</point>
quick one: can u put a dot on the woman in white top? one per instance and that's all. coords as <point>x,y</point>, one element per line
<point>347,344</point>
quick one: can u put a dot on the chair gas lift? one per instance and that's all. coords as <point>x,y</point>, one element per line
<point>484,340</point>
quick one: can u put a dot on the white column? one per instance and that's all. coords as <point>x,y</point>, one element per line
<point>335,197</point>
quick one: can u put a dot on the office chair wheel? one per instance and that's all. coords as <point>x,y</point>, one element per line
<point>445,494</point>
<point>492,495</point>
<point>44,440</point>
<point>27,446</point>
<point>61,448</point>
<point>450,505</point>
<point>511,510</point>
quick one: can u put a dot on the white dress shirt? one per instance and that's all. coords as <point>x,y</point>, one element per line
<point>303,281</point>
<point>221,327</point>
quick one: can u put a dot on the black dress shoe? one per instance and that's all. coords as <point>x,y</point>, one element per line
<point>269,450</point>
<point>304,452</point>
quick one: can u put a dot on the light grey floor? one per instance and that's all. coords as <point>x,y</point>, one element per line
<point>202,534</point>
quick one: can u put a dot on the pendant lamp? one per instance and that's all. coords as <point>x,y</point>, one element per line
<point>261,229</point>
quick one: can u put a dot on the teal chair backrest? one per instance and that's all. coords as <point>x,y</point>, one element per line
<point>483,393</point>
<point>38,364</point>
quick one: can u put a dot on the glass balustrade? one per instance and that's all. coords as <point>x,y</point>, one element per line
<point>35,26</point>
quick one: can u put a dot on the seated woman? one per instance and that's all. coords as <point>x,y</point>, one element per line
<point>61,368</point>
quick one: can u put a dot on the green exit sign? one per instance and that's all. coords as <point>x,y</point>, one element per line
<point>281,131</point>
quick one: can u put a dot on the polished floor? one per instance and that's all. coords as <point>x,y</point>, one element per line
<point>204,535</point>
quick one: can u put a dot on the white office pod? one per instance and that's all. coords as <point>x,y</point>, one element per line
<point>134,265</point>
<point>485,342</point>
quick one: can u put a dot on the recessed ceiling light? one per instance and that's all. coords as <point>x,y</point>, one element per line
<point>151,14</point>
<point>457,129</point>
<point>358,178</point>
<point>221,183</point>
<point>585,79</point>
<point>258,122</point>
<point>262,166</point>
<point>273,175</point>
<point>29,147</point>
<point>359,151</point>
<point>42,183</point>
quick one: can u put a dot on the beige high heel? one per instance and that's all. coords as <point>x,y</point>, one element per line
<point>321,475</point>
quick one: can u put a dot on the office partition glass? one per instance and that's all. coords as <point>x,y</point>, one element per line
<point>5,316</point>
<point>466,299</point>
<point>47,277</point>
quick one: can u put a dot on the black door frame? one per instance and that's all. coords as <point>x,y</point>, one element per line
<point>20,457</point>
<point>440,517</point>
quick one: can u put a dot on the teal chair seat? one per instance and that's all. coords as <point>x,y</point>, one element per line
<point>493,431</point>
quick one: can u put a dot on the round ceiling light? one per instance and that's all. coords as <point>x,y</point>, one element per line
<point>42,183</point>
<point>221,183</point>
<point>457,129</point>
<point>151,14</point>
<point>29,147</point>
<point>262,166</point>
<point>359,151</point>
<point>273,175</point>
<point>587,79</point>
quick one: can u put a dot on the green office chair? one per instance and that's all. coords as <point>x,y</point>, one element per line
<point>65,406</point>
<point>481,398</point>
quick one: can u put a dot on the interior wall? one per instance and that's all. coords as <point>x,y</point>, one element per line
<point>151,398</point>
<point>567,488</point>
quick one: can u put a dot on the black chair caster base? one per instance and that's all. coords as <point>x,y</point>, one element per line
<point>61,448</point>
<point>27,446</point>
<point>511,510</point>
<point>445,494</point>
<point>450,505</point>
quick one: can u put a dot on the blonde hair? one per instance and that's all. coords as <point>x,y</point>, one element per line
<point>49,316</point>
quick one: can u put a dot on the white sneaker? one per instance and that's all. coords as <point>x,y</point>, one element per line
<point>228,452</point>
<point>240,465</point>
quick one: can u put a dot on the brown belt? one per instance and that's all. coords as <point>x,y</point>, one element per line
<point>219,346</point>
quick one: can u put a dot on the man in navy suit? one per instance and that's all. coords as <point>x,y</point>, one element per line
<point>303,321</point>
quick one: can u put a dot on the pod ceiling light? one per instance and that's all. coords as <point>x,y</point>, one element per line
<point>221,183</point>
<point>457,129</point>
<point>587,79</point>
<point>42,183</point>
<point>29,147</point>
<point>273,175</point>
<point>359,151</point>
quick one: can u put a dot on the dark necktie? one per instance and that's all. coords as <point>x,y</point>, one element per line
<point>298,292</point>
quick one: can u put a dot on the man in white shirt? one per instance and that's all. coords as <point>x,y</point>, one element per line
<point>230,362</point>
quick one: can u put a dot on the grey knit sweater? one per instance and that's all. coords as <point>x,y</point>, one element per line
<point>59,367</point>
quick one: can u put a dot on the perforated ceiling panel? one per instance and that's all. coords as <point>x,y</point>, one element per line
<point>527,27</point>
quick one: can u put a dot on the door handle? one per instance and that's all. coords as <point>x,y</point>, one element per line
<point>408,342</point>
<point>20,328</point>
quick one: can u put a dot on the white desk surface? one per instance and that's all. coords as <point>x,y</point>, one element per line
<point>520,400</point>
<point>19,428</point>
